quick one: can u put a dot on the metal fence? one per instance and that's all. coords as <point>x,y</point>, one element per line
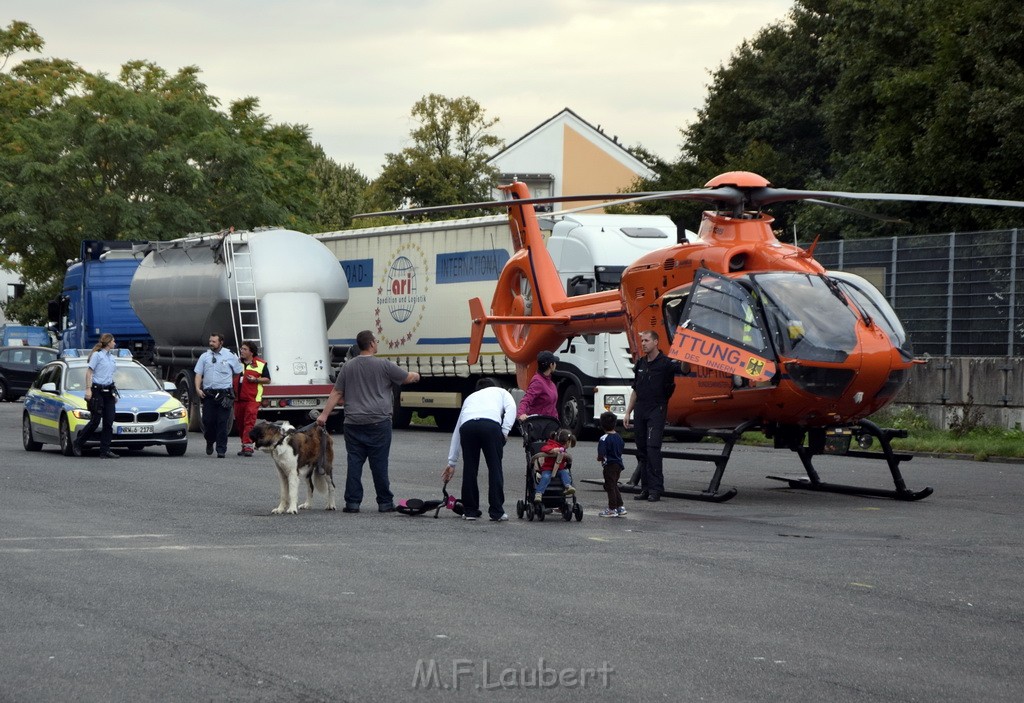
<point>957,294</point>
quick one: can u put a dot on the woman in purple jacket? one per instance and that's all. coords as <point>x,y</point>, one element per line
<point>541,395</point>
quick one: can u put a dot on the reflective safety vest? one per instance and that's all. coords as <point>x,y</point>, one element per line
<point>251,391</point>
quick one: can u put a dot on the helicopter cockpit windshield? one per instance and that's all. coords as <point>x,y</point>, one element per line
<point>808,316</point>
<point>802,316</point>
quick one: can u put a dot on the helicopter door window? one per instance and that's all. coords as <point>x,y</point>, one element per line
<point>720,328</point>
<point>723,308</point>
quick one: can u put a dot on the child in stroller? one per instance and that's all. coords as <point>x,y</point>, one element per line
<point>548,490</point>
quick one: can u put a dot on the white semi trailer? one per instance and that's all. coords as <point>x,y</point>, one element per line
<point>410,285</point>
<point>278,287</point>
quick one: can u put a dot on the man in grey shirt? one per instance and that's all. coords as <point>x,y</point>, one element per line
<point>365,385</point>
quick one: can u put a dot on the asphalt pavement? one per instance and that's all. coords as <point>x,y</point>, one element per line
<point>157,578</point>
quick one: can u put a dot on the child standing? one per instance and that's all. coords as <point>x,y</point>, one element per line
<point>609,453</point>
<point>554,452</point>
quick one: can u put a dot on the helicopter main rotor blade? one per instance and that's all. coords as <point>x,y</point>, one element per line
<point>855,211</point>
<point>766,196</point>
<point>489,204</point>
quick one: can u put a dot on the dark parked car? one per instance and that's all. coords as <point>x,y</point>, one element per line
<point>19,366</point>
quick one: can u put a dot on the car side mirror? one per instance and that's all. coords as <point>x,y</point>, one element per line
<point>48,388</point>
<point>170,387</point>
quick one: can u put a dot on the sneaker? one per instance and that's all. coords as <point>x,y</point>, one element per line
<point>608,512</point>
<point>349,509</point>
<point>469,517</point>
<point>538,498</point>
<point>642,495</point>
<point>245,452</point>
<point>109,455</point>
<point>388,508</point>
<point>570,491</point>
<point>209,448</point>
<point>76,449</point>
<point>622,511</point>
<point>503,518</point>
<point>654,497</point>
<point>219,455</point>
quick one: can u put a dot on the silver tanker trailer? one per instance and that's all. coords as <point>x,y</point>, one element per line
<point>278,287</point>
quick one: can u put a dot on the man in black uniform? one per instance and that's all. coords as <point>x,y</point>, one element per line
<point>653,383</point>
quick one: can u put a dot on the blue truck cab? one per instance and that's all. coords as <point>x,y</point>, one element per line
<point>94,300</point>
<point>14,335</point>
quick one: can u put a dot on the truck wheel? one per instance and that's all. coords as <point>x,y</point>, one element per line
<point>335,423</point>
<point>195,410</point>
<point>446,419</point>
<point>572,410</point>
<point>401,417</point>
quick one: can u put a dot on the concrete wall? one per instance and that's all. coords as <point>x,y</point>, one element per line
<point>941,388</point>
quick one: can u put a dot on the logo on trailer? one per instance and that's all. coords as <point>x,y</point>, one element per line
<point>401,296</point>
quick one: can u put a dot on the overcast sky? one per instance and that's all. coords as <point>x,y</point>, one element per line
<point>352,69</point>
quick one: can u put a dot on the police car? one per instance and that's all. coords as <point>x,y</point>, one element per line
<point>56,411</point>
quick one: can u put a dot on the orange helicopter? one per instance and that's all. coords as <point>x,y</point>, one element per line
<point>768,339</point>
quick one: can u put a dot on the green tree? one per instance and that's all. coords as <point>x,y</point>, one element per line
<point>916,96</point>
<point>146,156</point>
<point>341,193</point>
<point>447,162</point>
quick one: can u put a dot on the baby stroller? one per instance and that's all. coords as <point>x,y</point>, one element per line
<point>536,429</point>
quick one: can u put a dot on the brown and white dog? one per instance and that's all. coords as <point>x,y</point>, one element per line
<point>296,455</point>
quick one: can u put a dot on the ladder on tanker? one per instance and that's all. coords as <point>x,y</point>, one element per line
<point>245,311</point>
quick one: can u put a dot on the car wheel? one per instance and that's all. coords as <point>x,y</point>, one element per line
<point>66,442</point>
<point>572,409</point>
<point>31,445</point>
<point>4,391</point>
<point>177,449</point>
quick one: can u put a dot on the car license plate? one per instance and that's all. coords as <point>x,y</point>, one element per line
<point>135,429</point>
<point>304,402</point>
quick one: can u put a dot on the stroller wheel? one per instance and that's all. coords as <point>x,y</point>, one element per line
<point>567,512</point>
<point>578,512</point>
<point>529,512</point>
<point>540,512</point>
<point>520,509</point>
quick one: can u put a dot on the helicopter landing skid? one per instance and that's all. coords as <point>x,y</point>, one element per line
<point>713,493</point>
<point>814,483</point>
<point>706,496</point>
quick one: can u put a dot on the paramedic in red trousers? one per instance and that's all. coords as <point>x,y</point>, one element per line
<point>653,383</point>
<point>484,423</point>
<point>249,392</point>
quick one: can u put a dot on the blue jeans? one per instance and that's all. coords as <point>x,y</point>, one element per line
<point>545,479</point>
<point>373,443</point>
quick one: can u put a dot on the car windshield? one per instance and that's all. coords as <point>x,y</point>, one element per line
<point>126,378</point>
